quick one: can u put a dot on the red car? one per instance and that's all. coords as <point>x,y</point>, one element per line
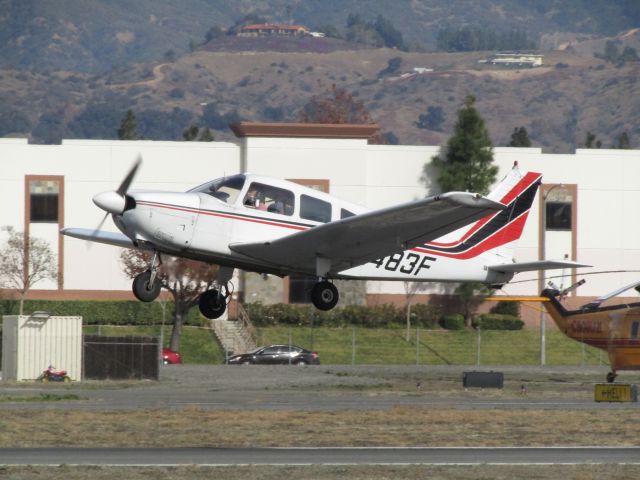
<point>169,356</point>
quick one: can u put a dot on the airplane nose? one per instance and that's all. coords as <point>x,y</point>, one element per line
<point>111,202</point>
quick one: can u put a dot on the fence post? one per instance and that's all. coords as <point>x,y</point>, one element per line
<point>289,344</point>
<point>353,346</point>
<point>417,346</point>
<point>478,347</point>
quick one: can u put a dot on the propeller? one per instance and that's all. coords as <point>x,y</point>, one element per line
<point>115,201</point>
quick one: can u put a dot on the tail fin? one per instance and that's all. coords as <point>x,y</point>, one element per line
<point>494,233</point>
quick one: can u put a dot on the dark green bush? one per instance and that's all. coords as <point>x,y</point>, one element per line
<point>507,308</point>
<point>496,321</point>
<point>425,316</point>
<point>107,312</point>
<point>375,316</point>
<point>452,322</point>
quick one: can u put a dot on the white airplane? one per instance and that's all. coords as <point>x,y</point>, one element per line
<point>266,225</point>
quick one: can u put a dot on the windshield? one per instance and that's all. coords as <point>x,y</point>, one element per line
<point>225,189</point>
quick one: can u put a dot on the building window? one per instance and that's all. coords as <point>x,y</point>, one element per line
<point>44,201</point>
<point>558,215</point>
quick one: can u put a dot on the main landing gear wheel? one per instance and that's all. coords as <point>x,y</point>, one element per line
<point>212,304</point>
<point>611,377</point>
<point>143,289</point>
<point>324,295</point>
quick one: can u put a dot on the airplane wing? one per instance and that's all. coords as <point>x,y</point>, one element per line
<point>534,266</point>
<point>109,238</point>
<point>347,243</point>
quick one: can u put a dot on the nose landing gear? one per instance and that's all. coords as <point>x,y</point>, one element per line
<point>146,285</point>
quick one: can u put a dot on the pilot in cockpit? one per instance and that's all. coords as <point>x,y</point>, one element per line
<point>254,199</point>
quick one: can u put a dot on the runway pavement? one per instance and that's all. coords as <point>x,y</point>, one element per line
<point>317,456</point>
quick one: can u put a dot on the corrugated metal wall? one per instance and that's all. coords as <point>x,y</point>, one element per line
<point>33,343</point>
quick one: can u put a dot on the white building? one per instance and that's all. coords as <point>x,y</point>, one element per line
<point>517,59</point>
<point>591,196</point>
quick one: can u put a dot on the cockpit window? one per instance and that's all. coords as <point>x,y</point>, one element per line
<point>269,198</point>
<point>226,189</point>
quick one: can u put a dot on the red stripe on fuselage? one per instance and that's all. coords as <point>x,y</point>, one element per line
<point>226,215</point>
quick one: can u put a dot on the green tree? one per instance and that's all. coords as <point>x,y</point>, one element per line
<point>129,127</point>
<point>520,138</point>
<point>469,296</point>
<point>623,141</point>
<point>393,66</point>
<point>206,135</point>
<point>432,120</point>
<point>468,163</point>
<point>191,133</point>
<point>590,141</point>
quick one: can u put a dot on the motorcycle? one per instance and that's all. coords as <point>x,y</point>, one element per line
<point>53,375</point>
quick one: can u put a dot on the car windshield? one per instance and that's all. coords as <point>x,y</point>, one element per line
<point>225,189</point>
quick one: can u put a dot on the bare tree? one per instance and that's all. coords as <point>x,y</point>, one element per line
<point>411,289</point>
<point>25,263</point>
<point>337,106</point>
<point>184,279</point>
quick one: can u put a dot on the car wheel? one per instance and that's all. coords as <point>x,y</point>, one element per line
<point>246,362</point>
<point>301,362</point>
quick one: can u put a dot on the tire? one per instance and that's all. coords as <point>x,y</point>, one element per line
<point>324,295</point>
<point>141,290</point>
<point>302,363</point>
<point>611,377</point>
<point>246,362</point>
<point>212,305</point>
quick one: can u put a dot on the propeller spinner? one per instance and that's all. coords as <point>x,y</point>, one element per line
<point>115,201</point>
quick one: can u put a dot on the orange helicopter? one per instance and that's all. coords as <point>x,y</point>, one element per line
<point>612,328</point>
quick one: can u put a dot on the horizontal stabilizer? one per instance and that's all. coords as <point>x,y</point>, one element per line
<point>534,266</point>
<point>99,236</point>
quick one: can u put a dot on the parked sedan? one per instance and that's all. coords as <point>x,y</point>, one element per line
<point>276,354</point>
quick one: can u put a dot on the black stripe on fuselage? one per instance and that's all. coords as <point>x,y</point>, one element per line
<point>517,207</point>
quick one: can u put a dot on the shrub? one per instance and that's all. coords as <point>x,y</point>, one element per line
<point>425,316</point>
<point>108,312</point>
<point>452,322</point>
<point>377,316</point>
<point>507,308</point>
<point>496,321</point>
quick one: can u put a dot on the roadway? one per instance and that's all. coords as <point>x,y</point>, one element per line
<point>318,456</point>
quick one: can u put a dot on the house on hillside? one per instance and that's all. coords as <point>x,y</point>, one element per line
<point>517,59</point>
<point>273,29</point>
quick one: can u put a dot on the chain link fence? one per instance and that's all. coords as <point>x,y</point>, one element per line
<point>391,346</point>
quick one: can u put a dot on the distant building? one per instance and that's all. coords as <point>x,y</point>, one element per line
<point>273,29</point>
<point>517,59</point>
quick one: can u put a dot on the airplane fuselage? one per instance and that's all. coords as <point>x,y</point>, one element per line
<point>202,227</point>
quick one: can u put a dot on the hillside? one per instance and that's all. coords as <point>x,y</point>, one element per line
<point>93,36</point>
<point>573,93</point>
